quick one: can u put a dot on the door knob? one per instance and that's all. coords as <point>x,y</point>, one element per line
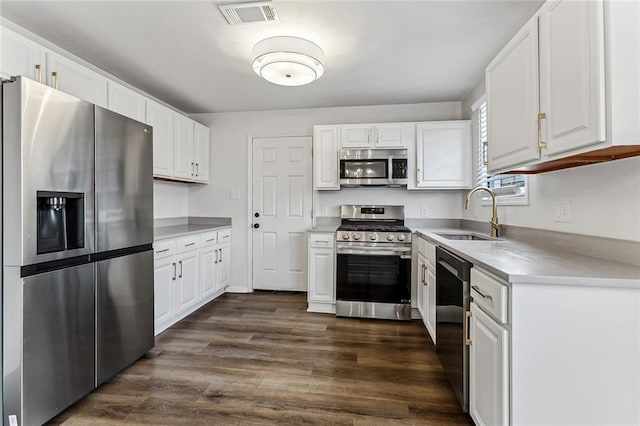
<point>257,214</point>
<point>256,225</point>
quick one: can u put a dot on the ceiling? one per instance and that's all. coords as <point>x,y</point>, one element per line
<point>377,52</point>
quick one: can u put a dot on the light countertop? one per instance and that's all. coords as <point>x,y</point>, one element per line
<point>520,262</point>
<point>323,229</point>
<point>180,227</point>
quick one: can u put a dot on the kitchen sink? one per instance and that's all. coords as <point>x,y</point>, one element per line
<point>466,237</point>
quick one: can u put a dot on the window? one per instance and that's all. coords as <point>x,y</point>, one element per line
<point>509,189</point>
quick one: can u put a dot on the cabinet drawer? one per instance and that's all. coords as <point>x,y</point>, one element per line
<point>208,239</point>
<point>428,250</point>
<point>187,243</point>
<point>490,294</point>
<point>224,236</point>
<point>163,249</point>
<point>321,240</point>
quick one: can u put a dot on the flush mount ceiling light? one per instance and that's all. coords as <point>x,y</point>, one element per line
<point>288,61</point>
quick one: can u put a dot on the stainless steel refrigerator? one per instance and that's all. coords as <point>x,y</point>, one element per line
<point>77,228</point>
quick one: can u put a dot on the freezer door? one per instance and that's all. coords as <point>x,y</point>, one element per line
<point>58,341</point>
<point>125,312</point>
<point>124,181</point>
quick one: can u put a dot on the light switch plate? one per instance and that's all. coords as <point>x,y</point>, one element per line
<point>562,211</point>
<point>234,194</point>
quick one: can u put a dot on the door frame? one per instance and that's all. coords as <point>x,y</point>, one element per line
<point>250,210</point>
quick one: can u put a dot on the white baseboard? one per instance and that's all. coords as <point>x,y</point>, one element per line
<point>323,308</point>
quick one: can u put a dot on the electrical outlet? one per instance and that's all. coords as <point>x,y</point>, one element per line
<point>425,212</point>
<point>562,211</point>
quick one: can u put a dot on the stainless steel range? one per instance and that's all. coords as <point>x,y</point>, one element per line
<point>373,263</point>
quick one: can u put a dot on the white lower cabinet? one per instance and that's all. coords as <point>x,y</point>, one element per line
<point>426,286</point>
<point>188,273</point>
<point>321,293</point>
<point>488,370</point>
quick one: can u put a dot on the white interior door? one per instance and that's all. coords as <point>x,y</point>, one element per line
<point>282,201</point>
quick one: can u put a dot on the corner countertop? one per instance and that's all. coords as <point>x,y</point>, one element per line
<point>326,229</point>
<point>179,227</point>
<point>520,262</point>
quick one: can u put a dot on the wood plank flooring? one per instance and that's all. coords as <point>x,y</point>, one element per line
<point>260,358</point>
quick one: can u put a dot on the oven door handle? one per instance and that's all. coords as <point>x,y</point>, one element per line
<point>404,254</point>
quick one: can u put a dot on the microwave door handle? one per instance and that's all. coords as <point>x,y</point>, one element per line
<point>390,169</point>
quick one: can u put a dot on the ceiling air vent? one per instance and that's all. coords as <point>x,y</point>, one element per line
<point>249,13</point>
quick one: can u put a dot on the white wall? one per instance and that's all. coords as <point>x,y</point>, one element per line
<point>229,133</point>
<point>604,198</point>
<point>170,199</point>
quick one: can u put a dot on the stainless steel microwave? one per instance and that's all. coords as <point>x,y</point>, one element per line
<point>373,167</point>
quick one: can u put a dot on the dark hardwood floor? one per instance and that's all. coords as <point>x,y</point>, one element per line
<point>262,359</point>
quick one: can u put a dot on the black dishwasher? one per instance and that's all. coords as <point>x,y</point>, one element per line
<point>452,305</point>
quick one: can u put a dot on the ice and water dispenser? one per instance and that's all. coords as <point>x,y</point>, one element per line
<point>60,221</point>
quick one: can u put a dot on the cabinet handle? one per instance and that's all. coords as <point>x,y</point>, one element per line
<point>220,255</point>
<point>180,276</point>
<point>216,257</point>
<point>54,78</point>
<point>485,153</point>
<point>484,296</point>
<point>541,143</point>
<point>467,317</point>
<point>39,73</point>
<point>192,169</point>
<point>173,278</point>
<point>190,244</point>
<point>424,275</point>
<point>197,169</point>
<point>162,251</point>
<point>212,239</point>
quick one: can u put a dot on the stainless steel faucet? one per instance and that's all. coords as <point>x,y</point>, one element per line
<point>495,226</point>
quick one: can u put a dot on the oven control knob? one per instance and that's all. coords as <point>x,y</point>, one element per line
<point>345,235</point>
<point>356,236</point>
<point>373,237</point>
<point>390,237</point>
<point>401,237</point>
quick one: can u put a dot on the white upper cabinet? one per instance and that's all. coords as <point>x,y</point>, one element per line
<point>387,135</point>
<point>587,54</point>
<point>390,135</point>
<point>201,152</point>
<point>184,166</point>
<point>20,56</point>
<point>125,101</point>
<point>75,79</point>
<point>572,74</point>
<point>162,120</point>
<point>325,158</point>
<point>512,101</point>
<point>443,150</point>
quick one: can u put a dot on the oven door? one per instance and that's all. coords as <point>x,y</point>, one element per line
<point>373,275</point>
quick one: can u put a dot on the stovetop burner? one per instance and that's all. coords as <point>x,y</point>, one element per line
<point>374,228</point>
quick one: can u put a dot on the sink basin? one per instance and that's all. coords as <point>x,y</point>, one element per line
<point>466,237</point>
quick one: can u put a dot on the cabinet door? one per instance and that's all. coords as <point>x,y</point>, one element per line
<point>444,154</point>
<point>488,370</point>
<point>512,101</point>
<point>19,56</point>
<point>184,166</point>
<point>76,80</point>
<point>187,283</point>
<point>390,136</point>
<point>421,288</point>
<point>164,277</point>
<point>125,101</point>
<point>201,152</point>
<point>430,304</point>
<point>321,275</point>
<point>355,136</point>
<point>208,271</point>
<point>325,158</point>
<point>224,265</point>
<point>572,74</point>
<point>162,120</point>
